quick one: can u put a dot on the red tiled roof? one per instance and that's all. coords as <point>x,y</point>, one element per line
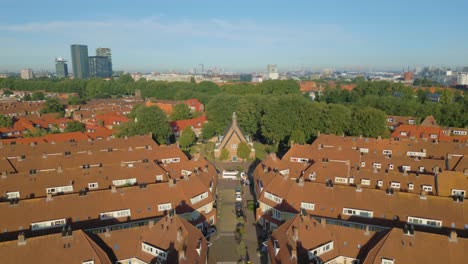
<point>180,125</point>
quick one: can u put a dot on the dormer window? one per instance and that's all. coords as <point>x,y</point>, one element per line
<point>363,164</point>
<point>411,122</point>
<point>376,165</point>
<point>403,133</point>
<point>390,166</point>
<point>410,186</point>
<point>387,261</point>
<point>433,136</point>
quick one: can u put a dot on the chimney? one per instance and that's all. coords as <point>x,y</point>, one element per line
<point>130,148</point>
<point>366,230</point>
<point>423,195</point>
<point>196,156</point>
<point>49,197</point>
<point>113,188</point>
<point>150,223</point>
<point>276,247</point>
<point>108,232</point>
<point>453,236</point>
<point>59,168</point>
<point>90,152</point>
<point>21,239</point>
<point>295,231</point>
<point>179,234</point>
<point>273,156</point>
<point>182,252</point>
<point>171,182</point>
<point>44,155</point>
<point>294,254</point>
<point>358,188</point>
<point>199,246</point>
<point>300,182</point>
<point>4,174</point>
<point>323,222</point>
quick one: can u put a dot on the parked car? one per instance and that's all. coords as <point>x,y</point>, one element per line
<point>238,190</point>
<point>240,213</point>
<point>238,197</point>
<point>238,206</point>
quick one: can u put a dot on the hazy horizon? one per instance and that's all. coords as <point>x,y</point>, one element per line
<point>242,36</point>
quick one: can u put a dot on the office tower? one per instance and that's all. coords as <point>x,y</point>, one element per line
<point>61,68</point>
<point>27,74</point>
<point>272,72</point>
<point>99,67</point>
<point>79,54</point>
<point>105,52</point>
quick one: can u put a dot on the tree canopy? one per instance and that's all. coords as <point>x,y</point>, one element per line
<point>75,126</point>
<point>181,112</point>
<point>243,150</point>
<point>147,120</point>
<point>53,105</point>
<point>6,121</point>
<point>187,138</point>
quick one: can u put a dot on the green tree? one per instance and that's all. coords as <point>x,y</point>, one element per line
<point>53,105</point>
<point>147,120</point>
<point>243,150</point>
<point>7,93</point>
<point>75,126</point>
<point>37,96</point>
<point>298,137</point>
<point>27,97</point>
<point>368,122</point>
<point>181,112</point>
<point>446,96</point>
<point>6,121</point>
<point>187,138</point>
<point>208,130</point>
<point>224,154</point>
<point>75,100</point>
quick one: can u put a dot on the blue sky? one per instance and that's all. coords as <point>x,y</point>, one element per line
<point>237,35</point>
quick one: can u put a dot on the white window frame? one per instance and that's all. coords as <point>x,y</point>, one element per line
<point>424,221</point>
<point>164,207</point>
<point>48,224</point>
<point>365,182</point>
<point>390,166</point>
<point>426,188</point>
<point>199,198</point>
<point>358,212</point>
<point>411,186</point>
<point>12,195</point>
<point>273,197</point>
<point>376,165</point>
<point>233,146</point>
<point>313,176</point>
<point>387,152</point>
<point>458,192</point>
<point>93,185</point>
<point>387,261</point>
<point>341,180</point>
<point>159,177</point>
<point>154,251</point>
<point>307,206</point>
<point>380,183</point>
<point>395,185</point>
<point>115,214</point>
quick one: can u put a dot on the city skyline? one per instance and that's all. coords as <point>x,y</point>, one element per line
<point>239,37</point>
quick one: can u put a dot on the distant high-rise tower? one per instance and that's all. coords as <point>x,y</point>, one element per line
<point>105,52</point>
<point>27,74</point>
<point>272,72</point>
<point>79,54</point>
<point>100,67</point>
<point>61,68</point>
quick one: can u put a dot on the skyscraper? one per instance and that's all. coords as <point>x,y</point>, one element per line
<point>99,67</point>
<point>61,68</point>
<point>27,74</point>
<point>105,52</point>
<point>272,72</point>
<point>79,54</point>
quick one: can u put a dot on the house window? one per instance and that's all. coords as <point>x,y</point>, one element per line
<point>164,207</point>
<point>387,261</point>
<point>159,177</point>
<point>390,119</point>
<point>234,146</point>
<point>410,186</point>
<point>376,165</point>
<point>421,169</point>
<point>390,166</point>
<point>307,206</point>
<point>403,133</point>
<point>365,182</point>
<point>380,183</point>
<point>458,192</point>
<point>234,159</point>
<point>363,164</point>
<point>395,185</point>
<point>411,122</point>
<point>427,188</point>
<point>93,185</point>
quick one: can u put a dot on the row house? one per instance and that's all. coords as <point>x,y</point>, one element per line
<point>169,240</point>
<point>196,124</point>
<point>304,239</point>
<point>18,109</point>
